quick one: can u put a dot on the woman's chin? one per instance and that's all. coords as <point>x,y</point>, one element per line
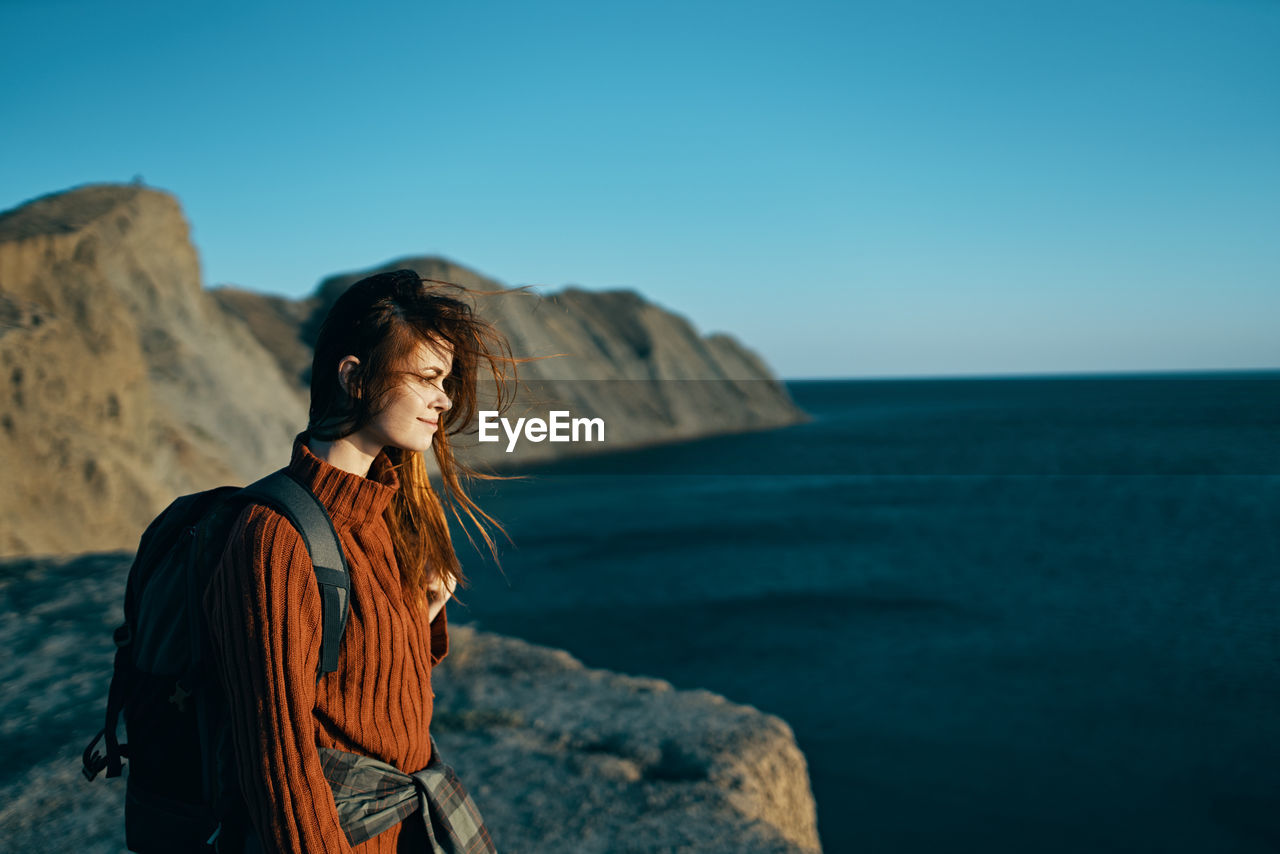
<point>417,444</point>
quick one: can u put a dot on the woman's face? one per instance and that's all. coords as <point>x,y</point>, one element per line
<point>411,417</point>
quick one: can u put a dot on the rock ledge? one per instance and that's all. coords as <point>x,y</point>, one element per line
<point>561,757</point>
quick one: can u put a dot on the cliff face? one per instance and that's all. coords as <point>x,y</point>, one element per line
<point>128,384</point>
<point>644,370</point>
<point>125,385</point>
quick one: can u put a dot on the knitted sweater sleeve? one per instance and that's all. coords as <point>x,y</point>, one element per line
<point>264,621</point>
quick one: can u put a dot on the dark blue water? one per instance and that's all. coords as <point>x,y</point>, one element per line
<point>1000,614</point>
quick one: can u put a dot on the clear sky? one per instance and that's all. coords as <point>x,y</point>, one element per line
<point>852,189</point>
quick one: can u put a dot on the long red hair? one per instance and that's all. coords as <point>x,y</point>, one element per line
<point>380,320</point>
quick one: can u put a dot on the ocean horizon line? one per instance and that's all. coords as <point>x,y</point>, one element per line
<point>1044,375</point>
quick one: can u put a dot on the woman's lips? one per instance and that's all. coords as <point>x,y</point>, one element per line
<point>432,423</point>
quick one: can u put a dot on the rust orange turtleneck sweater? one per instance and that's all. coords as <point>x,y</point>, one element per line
<point>264,618</point>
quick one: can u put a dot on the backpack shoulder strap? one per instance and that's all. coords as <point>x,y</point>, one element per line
<point>282,492</point>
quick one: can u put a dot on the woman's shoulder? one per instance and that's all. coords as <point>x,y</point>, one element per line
<point>260,531</point>
<point>264,555</point>
<point>255,518</point>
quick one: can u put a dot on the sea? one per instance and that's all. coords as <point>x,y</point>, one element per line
<point>1000,614</point>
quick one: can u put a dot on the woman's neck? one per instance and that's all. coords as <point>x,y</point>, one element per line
<point>349,453</point>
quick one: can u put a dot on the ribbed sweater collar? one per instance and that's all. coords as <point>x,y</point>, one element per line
<point>350,499</point>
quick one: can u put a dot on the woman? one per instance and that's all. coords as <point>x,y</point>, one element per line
<point>395,373</point>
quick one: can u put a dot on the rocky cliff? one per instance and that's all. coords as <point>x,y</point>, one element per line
<point>645,371</point>
<point>558,757</point>
<point>622,763</point>
<point>127,383</point>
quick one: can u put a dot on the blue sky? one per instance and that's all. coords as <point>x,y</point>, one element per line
<point>852,189</point>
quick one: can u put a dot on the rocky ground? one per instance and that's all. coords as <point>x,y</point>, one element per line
<point>558,757</point>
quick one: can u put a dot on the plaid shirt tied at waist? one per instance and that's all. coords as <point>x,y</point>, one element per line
<point>373,796</point>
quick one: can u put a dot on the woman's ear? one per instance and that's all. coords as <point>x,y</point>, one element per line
<point>346,371</point>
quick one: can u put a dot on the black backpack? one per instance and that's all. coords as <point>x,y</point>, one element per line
<point>181,792</point>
